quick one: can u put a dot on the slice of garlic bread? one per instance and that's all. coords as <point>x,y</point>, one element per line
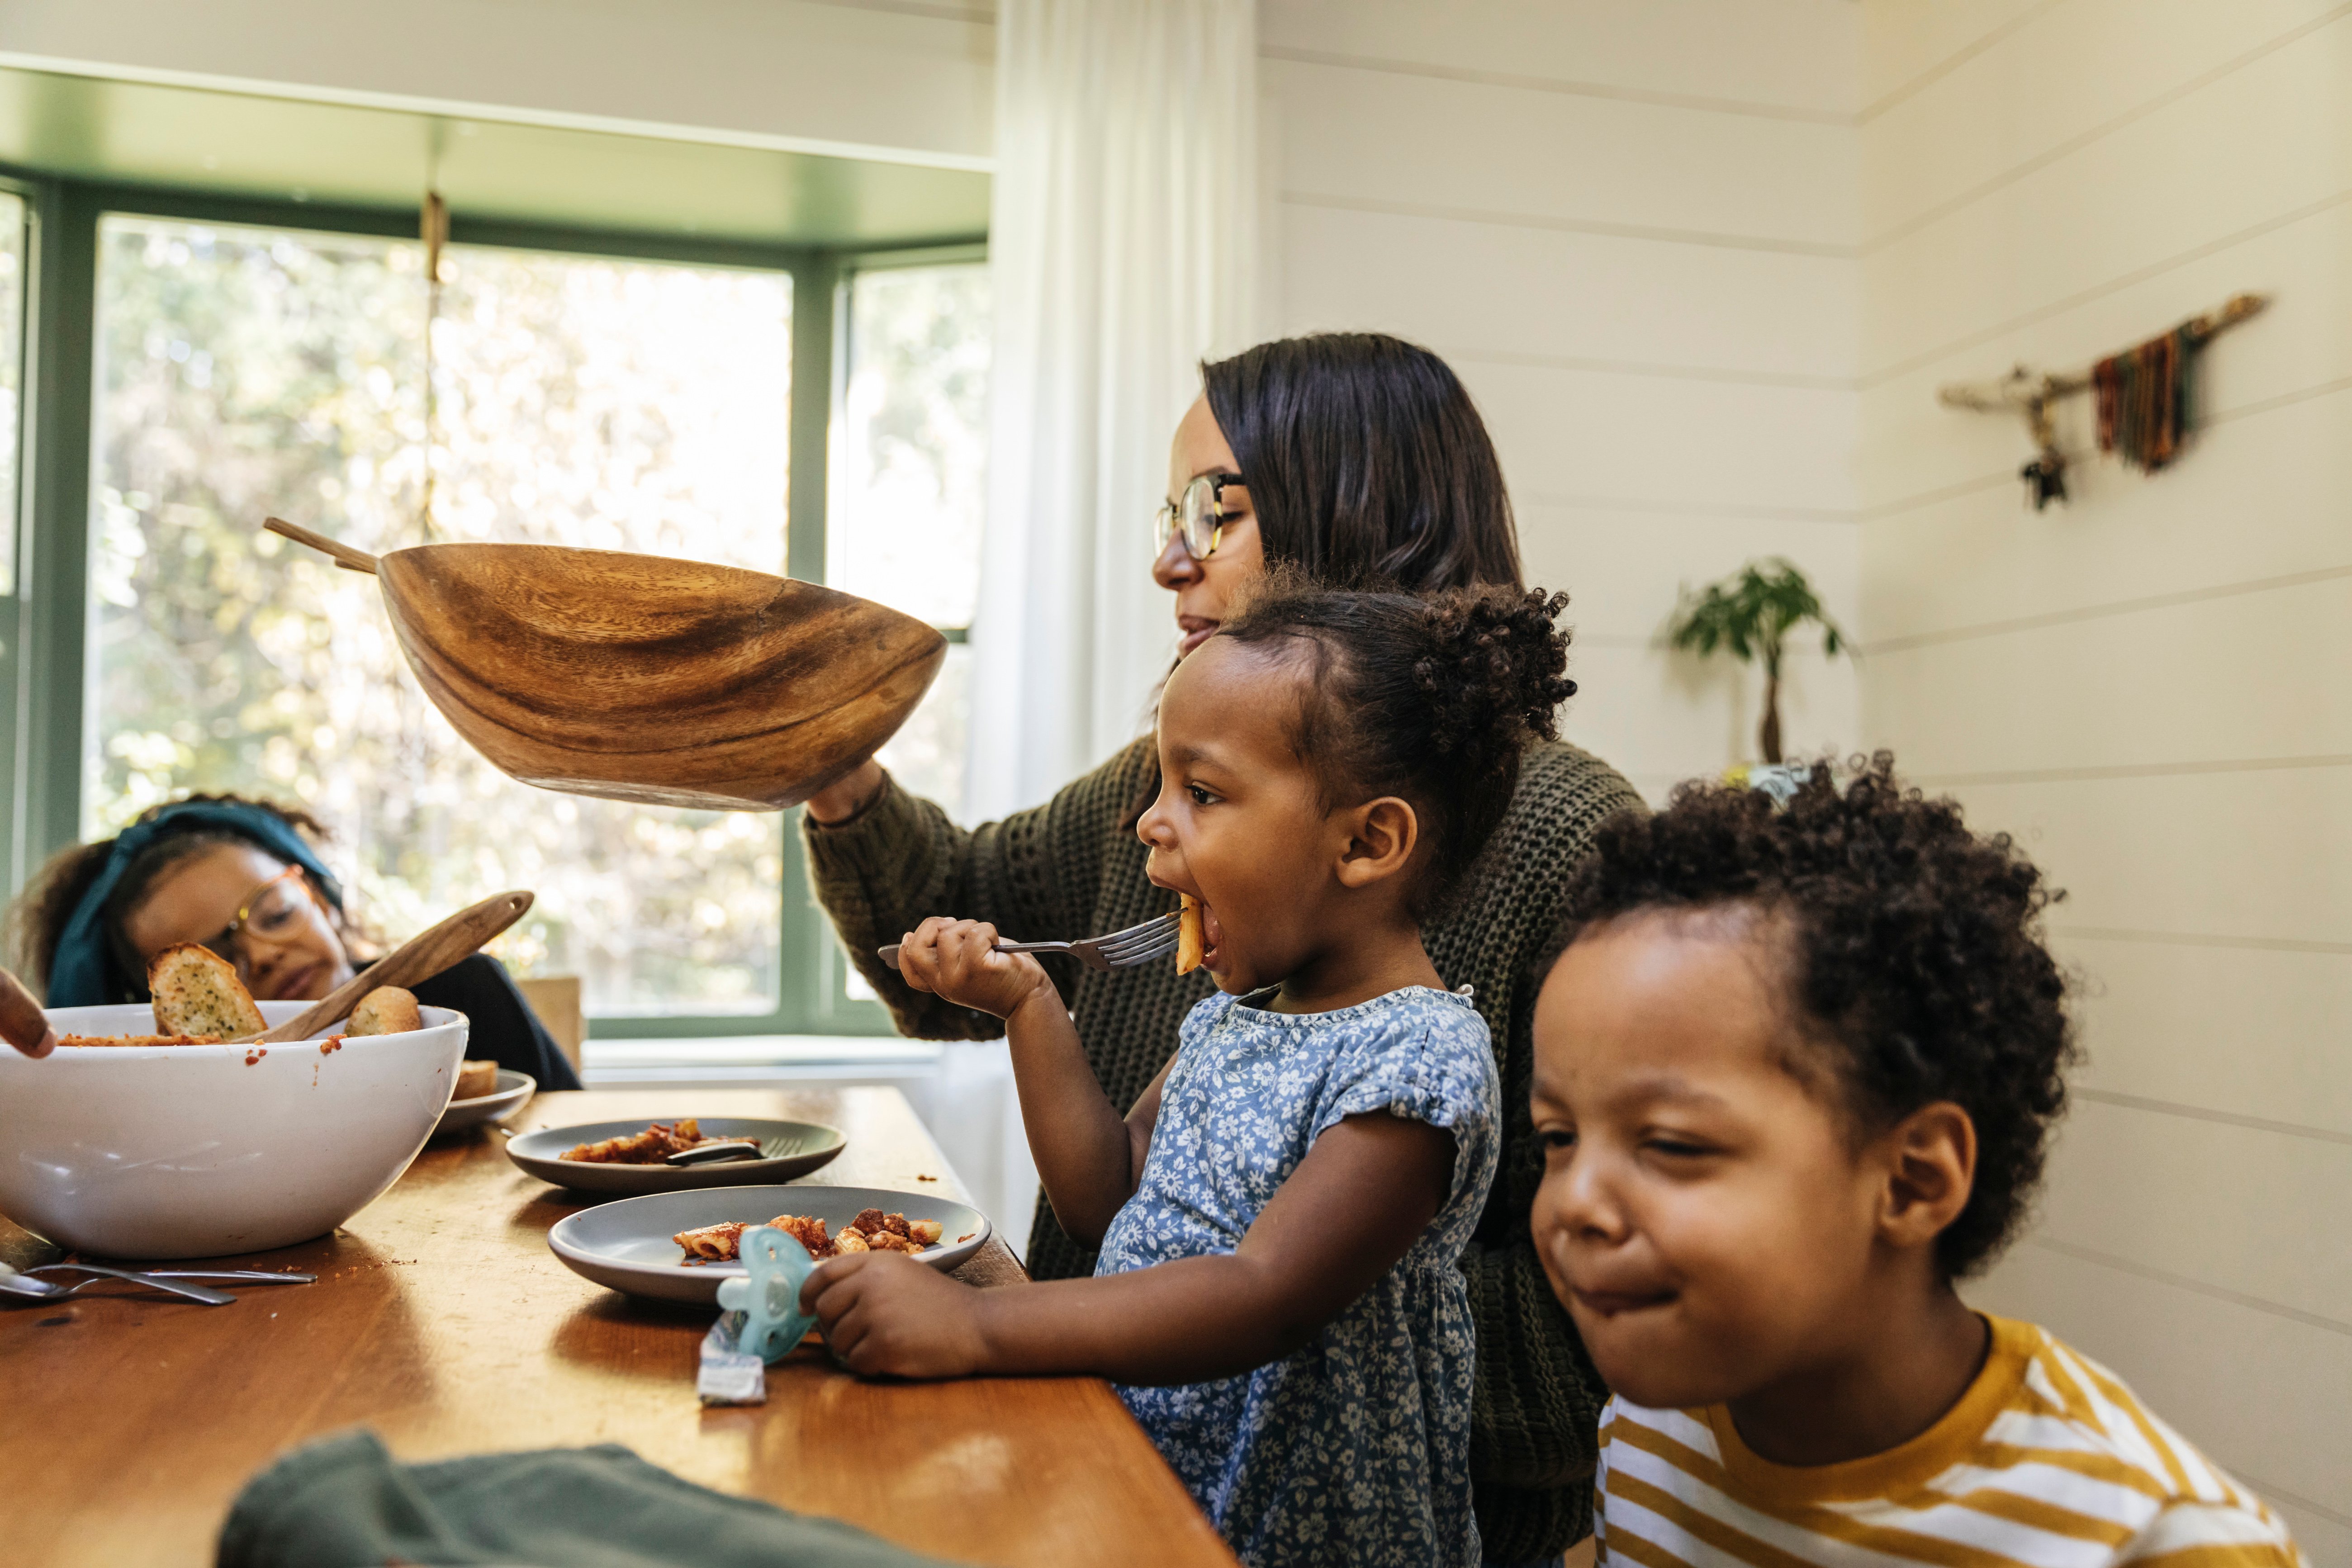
<point>386,1010</point>
<point>196,992</point>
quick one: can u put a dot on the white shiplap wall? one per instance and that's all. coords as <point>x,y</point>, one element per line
<point>2146,687</point>
<point>1630,226</point>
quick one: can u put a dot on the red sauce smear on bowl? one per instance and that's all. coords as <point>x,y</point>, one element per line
<point>256,1054</point>
<point>332,1043</point>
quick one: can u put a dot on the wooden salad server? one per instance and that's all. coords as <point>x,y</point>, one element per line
<point>22,1023</point>
<point>648,678</point>
<point>418,958</point>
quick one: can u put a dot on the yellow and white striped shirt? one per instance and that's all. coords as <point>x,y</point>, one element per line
<point>2047,1461</point>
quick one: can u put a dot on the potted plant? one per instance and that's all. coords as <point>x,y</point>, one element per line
<point>1750,615</point>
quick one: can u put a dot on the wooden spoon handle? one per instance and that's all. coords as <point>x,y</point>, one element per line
<point>346,557</point>
<point>420,958</point>
<point>22,1024</point>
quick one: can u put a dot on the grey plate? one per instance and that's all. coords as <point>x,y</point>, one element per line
<point>514,1088</point>
<point>798,1148</point>
<point>627,1245</point>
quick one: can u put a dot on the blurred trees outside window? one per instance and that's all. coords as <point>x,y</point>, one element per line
<point>577,400</point>
<point>907,484</point>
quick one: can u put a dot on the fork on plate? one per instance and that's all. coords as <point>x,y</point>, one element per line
<point>1138,945</point>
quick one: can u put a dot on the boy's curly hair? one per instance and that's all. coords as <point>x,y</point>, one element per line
<point>1427,697</point>
<point>1913,952</point>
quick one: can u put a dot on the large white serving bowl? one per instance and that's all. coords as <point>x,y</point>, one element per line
<point>152,1152</point>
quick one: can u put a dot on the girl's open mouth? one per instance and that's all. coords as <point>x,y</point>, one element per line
<point>1610,1303</point>
<point>1213,936</point>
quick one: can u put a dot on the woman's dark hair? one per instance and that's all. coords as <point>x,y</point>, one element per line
<point>1366,462</point>
<point>55,891</point>
<point>1428,697</point>
<point>1911,951</point>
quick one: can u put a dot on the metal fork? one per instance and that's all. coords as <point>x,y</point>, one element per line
<point>1138,945</point>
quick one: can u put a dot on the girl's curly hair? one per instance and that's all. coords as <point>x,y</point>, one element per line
<point>1430,698</point>
<point>1912,951</point>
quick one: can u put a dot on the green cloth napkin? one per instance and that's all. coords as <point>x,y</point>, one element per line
<point>345,1502</point>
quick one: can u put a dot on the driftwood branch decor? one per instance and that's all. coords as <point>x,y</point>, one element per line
<point>2144,399</point>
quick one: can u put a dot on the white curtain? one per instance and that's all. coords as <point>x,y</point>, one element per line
<point>1124,247</point>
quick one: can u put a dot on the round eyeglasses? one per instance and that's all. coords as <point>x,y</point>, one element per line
<point>270,911</point>
<point>1199,516</point>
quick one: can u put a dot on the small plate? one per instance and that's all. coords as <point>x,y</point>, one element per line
<point>627,1245</point>
<point>796,1148</point>
<point>464,1115</point>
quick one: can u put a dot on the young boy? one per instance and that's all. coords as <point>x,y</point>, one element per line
<point>1794,1072</point>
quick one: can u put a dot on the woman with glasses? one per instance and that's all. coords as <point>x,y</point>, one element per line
<point>242,878</point>
<point>1361,459</point>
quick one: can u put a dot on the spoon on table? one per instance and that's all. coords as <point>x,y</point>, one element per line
<point>417,960</point>
<point>22,1023</point>
<point>13,1283</point>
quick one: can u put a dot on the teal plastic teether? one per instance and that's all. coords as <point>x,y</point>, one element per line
<point>769,1295</point>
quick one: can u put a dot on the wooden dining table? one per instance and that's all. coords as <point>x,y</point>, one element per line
<point>441,1320</point>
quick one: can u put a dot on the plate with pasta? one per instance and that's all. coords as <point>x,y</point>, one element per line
<point>677,1247</point>
<point>628,1159</point>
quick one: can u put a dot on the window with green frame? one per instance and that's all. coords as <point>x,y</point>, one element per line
<point>239,360</point>
<point>15,274</point>
<point>909,484</point>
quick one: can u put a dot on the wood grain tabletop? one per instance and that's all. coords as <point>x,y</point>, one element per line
<point>441,1319</point>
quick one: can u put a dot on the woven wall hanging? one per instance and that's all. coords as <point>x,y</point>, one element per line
<point>2144,396</point>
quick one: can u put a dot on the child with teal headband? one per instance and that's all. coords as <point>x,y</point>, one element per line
<point>83,968</point>
<point>242,876</point>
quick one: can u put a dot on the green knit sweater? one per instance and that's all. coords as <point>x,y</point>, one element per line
<point>1074,868</point>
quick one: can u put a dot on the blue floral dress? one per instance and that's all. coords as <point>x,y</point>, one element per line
<point>1355,1449</point>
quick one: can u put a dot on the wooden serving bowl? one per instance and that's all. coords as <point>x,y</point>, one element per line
<point>646,678</point>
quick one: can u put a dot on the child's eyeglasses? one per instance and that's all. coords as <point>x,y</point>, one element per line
<point>270,912</point>
<point>1199,518</point>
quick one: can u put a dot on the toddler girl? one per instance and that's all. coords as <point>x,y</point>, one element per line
<point>1280,1214</point>
<point>1794,1072</point>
